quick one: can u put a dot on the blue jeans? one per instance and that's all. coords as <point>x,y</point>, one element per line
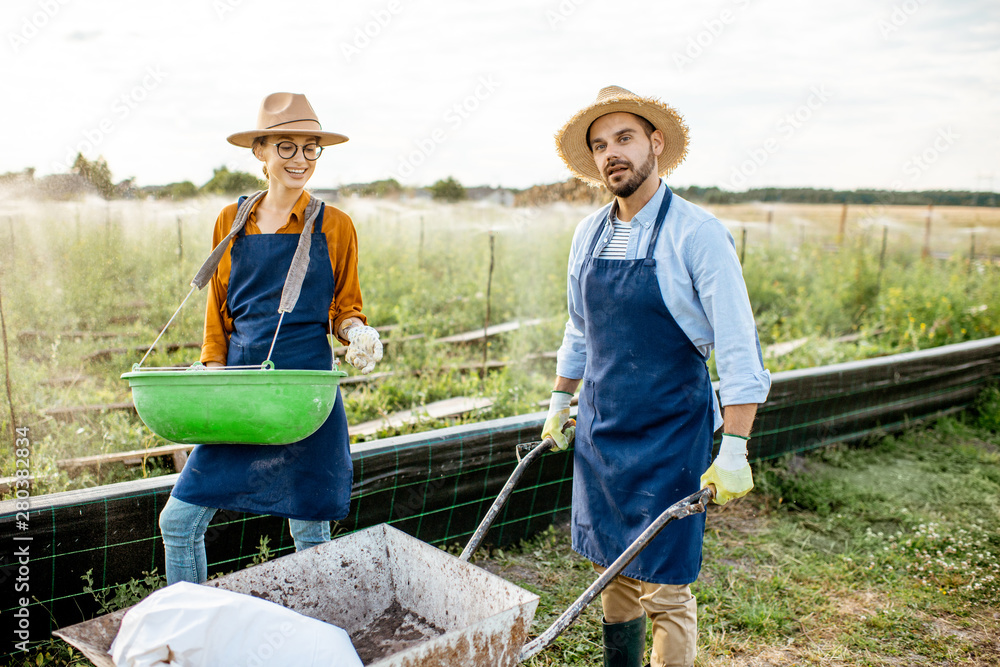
<point>183,527</point>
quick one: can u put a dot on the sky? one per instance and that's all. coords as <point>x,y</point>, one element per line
<point>900,94</point>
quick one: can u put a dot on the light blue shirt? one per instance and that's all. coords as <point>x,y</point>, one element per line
<point>702,286</point>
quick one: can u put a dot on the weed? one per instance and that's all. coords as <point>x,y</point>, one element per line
<point>124,595</point>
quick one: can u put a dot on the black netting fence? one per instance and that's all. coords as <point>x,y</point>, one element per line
<point>436,486</point>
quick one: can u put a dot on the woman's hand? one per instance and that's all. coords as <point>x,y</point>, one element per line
<point>366,348</point>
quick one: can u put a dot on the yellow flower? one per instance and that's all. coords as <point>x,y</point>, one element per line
<point>922,326</point>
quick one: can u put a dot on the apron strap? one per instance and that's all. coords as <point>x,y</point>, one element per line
<point>660,216</point>
<point>212,263</point>
<point>300,261</point>
<point>600,229</point>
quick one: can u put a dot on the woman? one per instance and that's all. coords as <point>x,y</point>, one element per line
<point>309,481</point>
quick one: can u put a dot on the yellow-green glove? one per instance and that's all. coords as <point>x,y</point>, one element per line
<point>555,423</point>
<point>730,472</point>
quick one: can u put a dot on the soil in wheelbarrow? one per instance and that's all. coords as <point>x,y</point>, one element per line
<point>396,629</point>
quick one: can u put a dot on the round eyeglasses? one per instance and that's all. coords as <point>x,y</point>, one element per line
<point>288,149</point>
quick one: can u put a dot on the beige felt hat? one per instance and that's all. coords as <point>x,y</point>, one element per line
<point>286,113</point>
<point>571,140</point>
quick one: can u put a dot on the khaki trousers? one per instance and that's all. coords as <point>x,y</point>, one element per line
<point>672,609</point>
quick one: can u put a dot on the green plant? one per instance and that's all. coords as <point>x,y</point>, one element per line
<point>123,595</point>
<point>264,552</point>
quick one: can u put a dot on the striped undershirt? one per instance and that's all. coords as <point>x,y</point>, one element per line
<point>619,240</point>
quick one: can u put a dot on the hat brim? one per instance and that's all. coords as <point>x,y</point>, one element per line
<point>571,140</point>
<point>245,139</point>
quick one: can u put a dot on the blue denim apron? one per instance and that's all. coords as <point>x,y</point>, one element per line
<point>645,422</point>
<point>310,479</point>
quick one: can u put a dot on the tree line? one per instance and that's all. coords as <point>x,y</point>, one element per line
<point>95,175</point>
<point>714,195</point>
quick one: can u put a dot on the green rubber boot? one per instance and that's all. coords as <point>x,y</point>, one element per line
<point>624,643</point>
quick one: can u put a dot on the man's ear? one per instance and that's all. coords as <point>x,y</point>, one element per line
<point>656,139</point>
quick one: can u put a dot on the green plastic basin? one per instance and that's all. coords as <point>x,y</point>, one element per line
<point>255,406</point>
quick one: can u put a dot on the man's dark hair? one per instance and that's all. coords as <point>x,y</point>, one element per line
<point>646,126</point>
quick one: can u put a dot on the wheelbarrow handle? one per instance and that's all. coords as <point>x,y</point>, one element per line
<point>535,450</point>
<point>693,504</point>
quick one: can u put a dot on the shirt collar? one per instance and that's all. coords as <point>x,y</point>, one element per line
<point>647,214</point>
<point>297,214</point>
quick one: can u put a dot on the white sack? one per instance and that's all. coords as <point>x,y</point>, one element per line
<point>187,625</point>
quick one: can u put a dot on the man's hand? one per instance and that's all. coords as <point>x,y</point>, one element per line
<point>366,348</point>
<point>730,472</point>
<point>556,421</point>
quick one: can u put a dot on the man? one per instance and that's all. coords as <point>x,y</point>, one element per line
<point>654,286</point>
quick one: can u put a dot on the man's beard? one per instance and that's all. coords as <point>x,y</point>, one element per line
<point>627,188</point>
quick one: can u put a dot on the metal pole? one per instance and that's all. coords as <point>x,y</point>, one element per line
<point>508,488</point>
<point>693,504</point>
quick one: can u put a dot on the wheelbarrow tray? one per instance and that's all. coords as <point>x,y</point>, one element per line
<point>403,602</point>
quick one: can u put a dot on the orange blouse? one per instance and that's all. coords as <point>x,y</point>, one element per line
<point>342,241</point>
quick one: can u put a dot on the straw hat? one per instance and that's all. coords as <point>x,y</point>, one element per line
<point>286,113</point>
<point>571,140</point>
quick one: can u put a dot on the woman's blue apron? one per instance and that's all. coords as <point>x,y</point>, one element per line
<point>645,422</point>
<point>310,479</point>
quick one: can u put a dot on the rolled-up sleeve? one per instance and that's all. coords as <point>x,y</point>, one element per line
<point>718,279</point>
<point>342,240</point>
<point>218,324</point>
<point>571,360</point>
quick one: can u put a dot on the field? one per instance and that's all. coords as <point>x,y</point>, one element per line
<point>86,283</point>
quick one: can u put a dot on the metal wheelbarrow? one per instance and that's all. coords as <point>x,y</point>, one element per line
<point>403,602</point>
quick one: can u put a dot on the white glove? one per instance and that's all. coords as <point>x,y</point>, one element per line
<point>730,472</point>
<point>366,348</point>
<point>557,418</point>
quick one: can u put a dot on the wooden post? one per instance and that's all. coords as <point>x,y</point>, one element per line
<point>180,242</point>
<point>927,231</point>
<point>486,325</point>
<point>843,225</point>
<point>420,245</point>
<point>770,223</point>
<point>881,258</point>
<point>743,246</point>
<point>6,372</point>
<point>972,254</point>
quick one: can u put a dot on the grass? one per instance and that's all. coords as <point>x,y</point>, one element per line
<point>70,270</point>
